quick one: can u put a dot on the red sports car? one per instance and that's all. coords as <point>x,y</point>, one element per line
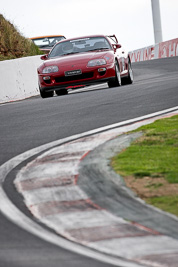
<point>84,61</point>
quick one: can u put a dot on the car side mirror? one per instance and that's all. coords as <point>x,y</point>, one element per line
<point>116,46</point>
<point>44,57</point>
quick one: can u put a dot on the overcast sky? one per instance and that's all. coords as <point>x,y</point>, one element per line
<point>130,20</point>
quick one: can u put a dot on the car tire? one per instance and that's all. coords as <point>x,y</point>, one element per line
<point>61,92</point>
<point>129,78</point>
<point>117,80</point>
<point>46,94</point>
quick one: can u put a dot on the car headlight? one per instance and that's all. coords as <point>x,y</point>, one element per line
<point>96,62</point>
<point>50,69</point>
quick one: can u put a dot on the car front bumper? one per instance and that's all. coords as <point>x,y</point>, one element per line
<point>89,76</point>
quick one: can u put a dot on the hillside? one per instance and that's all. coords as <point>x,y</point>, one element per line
<point>13,44</point>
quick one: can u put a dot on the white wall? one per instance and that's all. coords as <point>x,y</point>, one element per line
<point>161,50</point>
<point>18,78</point>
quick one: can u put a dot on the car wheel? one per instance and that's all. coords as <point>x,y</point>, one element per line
<point>117,80</point>
<point>46,94</point>
<point>61,92</point>
<point>129,79</point>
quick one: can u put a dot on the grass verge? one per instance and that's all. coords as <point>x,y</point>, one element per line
<point>150,165</point>
<point>13,44</point>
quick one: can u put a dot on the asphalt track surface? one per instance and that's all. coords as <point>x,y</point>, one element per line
<point>33,122</point>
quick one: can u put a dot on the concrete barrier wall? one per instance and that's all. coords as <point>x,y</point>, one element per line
<point>18,78</point>
<point>161,50</point>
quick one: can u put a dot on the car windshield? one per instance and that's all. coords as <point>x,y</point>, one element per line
<point>47,41</point>
<point>79,46</point>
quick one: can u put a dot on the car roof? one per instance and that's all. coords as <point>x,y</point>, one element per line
<point>46,36</point>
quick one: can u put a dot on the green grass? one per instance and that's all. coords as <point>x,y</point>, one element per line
<point>155,154</point>
<point>166,203</point>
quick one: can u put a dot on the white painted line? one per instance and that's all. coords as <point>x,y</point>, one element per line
<point>89,88</point>
<point>137,246</point>
<point>48,170</point>
<point>77,220</point>
<point>57,193</point>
